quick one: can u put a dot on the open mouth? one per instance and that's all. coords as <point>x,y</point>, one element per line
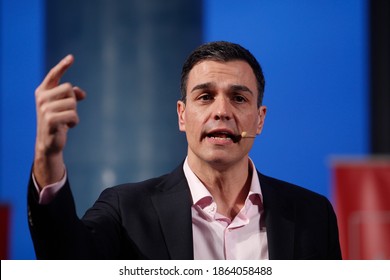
<point>223,135</point>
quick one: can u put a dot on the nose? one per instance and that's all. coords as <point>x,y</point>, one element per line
<point>222,110</point>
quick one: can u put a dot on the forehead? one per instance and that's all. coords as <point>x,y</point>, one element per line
<point>236,72</point>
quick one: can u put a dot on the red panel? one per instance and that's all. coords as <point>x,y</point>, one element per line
<point>362,202</point>
<point>4,231</point>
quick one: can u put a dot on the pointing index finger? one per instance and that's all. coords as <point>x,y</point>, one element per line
<point>54,76</point>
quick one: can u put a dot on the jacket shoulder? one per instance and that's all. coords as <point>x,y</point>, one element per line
<point>287,189</point>
<point>170,182</point>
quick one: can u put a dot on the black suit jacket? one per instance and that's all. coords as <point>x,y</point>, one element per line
<point>152,220</point>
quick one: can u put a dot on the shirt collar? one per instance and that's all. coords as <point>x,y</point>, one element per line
<point>202,197</point>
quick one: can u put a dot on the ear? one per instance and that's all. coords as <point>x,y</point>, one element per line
<point>262,111</point>
<point>181,107</point>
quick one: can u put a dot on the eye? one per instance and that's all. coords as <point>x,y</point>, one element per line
<point>239,98</point>
<point>205,97</point>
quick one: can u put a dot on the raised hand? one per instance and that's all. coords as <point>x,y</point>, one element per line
<point>56,106</point>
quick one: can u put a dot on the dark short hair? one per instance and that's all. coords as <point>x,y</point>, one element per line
<point>222,51</point>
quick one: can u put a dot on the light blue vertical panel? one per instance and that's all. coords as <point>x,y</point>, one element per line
<point>21,69</point>
<point>128,58</point>
<point>314,57</point>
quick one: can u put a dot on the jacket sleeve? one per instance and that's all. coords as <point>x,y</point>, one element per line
<point>58,233</point>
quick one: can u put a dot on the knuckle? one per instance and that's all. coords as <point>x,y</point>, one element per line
<point>49,120</point>
<point>38,95</point>
<point>68,87</point>
<point>73,120</point>
<point>39,101</point>
<point>41,104</point>
<point>73,103</point>
<point>76,119</point>
<point>43,109</point>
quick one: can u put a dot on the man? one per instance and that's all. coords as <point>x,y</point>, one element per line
<point>215,205</point>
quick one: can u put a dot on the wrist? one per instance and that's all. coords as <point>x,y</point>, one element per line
<point>48,169</point>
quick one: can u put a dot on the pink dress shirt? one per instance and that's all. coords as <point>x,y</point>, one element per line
<point>215,236</point>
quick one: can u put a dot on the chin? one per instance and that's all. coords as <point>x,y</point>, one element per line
<point>221,160</point>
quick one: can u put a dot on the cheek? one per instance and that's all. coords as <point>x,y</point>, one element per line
<point>250,118</point>
<point>193,117</point>
<point>196,121</point>
<point>253,122</point>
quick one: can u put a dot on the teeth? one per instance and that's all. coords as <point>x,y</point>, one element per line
<point>217,137</point>
<point>220,135</point>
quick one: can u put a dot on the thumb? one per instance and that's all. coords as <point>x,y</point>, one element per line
<point>79,93</point>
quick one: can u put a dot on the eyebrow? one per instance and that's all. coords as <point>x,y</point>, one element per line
<point>212,86</point>
<point>240,88</point>
<point>203,86</point>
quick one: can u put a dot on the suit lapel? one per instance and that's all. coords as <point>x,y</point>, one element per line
<point>279,220</point>
<point>172,201</point>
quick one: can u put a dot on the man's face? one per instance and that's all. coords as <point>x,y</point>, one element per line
<point>221,101</point>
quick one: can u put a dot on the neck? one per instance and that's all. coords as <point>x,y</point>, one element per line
<point>229,186</point>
